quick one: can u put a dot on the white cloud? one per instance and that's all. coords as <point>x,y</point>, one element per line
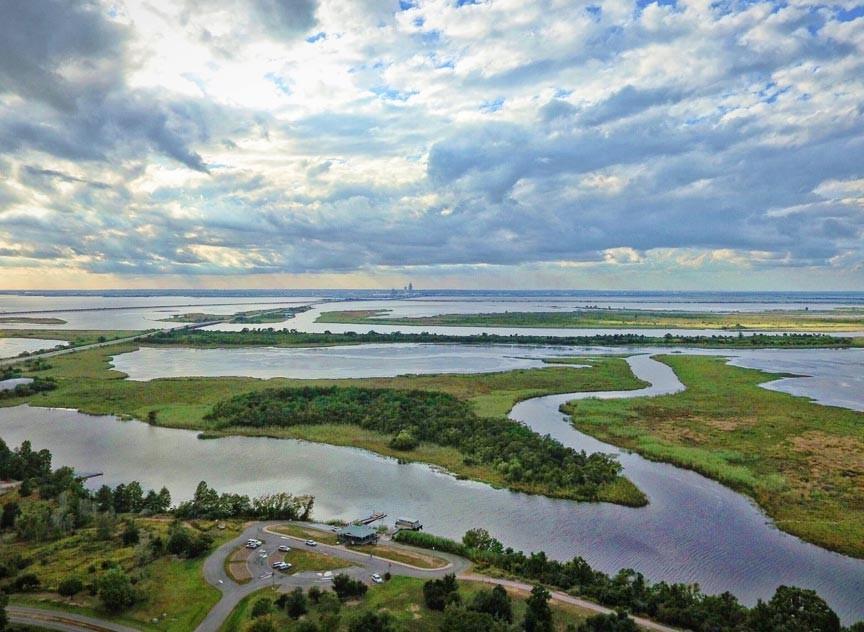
<point>356,138</point>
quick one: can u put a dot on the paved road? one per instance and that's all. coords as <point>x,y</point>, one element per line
<point>362,567</point>
<point>562,597</point>
<point>64,621</point>
<point>96,345</point>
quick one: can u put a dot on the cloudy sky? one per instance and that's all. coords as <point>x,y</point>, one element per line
<point>496,143</point>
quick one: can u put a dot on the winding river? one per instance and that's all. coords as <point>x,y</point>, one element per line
<point>693,530</point>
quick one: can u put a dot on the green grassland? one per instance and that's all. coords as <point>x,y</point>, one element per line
<point>171,586</point>
<point>402,597</point>
<point>802,462</point>
<point>77,337</point>
<point>848,320</point>
<point>86,382</point>
<point>32,320</point>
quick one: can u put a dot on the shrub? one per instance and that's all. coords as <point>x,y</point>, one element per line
<point>116,591</point>
<point>262,607</point>
<point>437,593</point>
<point>296,605</point>
<point>613,622</point>
<point>346,588</point>
<point>27,582</point>
<point>70,587</point>
<point>404,441</point>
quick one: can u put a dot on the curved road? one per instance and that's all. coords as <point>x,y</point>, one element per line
<point>362,567</point>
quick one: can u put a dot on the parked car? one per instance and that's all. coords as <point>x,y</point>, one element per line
<point>377,578</point>
<point>311,543</point>
<point>284,548</point>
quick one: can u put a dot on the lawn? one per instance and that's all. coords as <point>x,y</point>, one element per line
<point>402,597</point>
<point>305,533</point>
<point>86,382</point>
<point>826,321</point>
<point>802,462</point>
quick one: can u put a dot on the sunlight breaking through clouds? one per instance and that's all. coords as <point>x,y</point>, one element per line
<point>375,140</point>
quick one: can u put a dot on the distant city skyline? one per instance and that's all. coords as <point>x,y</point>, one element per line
<point>670,145</point>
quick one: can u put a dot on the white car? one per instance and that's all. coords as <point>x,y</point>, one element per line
<point>377,578</point>
<point>311,543</point>
<point>284,548</point>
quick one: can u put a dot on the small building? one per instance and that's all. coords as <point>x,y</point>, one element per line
<point>408,524</point>
<point>357,534</point>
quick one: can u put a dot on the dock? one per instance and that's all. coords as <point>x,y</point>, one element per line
<point>370,519</point>
<point>83,476</point>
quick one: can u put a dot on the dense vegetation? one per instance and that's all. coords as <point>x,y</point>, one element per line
<point>618,318</point>
<point>38,385</point>
<point>686,606</point>
<point>208,503</point>
<point>292,337</point>
<point>400,605</point>
<point>524,458</point>
<point>802,462</point>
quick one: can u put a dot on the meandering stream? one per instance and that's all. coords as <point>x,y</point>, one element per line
<point>693,530</point>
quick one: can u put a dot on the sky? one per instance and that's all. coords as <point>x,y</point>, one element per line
<point>683,144</point>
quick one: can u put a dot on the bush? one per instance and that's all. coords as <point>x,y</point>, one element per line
<point>373,622</point>
<point>437,593</point>
<point>27,582</point>
<point>346,588</point>
<point>131,535</point>
<point>116,591</point>
<point>179,541</point>
<point>70,587</point>
<point>613,622</point>
<point>296,605</point>
<point>496,603</point>
<point>262,607</point>
<point>263,624</point>
<point>404,441</point>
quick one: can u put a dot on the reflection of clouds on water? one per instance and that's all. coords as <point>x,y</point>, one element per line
<point>835,377</point>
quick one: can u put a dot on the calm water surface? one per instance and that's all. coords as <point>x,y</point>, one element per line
<point>11,347</point>
<point>833,376</point>
<point>693,530</point>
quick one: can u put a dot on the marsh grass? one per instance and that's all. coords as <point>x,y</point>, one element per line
<point>802,462</point>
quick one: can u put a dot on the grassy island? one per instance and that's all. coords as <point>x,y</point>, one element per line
<point>802,462</point>
<point>85,381</point>
<point>590,317</point>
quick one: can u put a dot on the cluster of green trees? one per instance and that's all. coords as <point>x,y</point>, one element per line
<point>130,498</point>
<point>326,606</point>
<point>23,462</point>
<point>488,610</point>
<point>210,504</point>
<point>523,457</point>
<point>681,605</point>
<point>292,337</point>
<point>38,385</point>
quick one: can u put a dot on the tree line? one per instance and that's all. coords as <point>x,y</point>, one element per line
<point>292,337</point>
<point>683,605</point>
<point>524,458</point>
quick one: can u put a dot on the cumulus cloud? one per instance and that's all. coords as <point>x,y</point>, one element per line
<point>270,137</point>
